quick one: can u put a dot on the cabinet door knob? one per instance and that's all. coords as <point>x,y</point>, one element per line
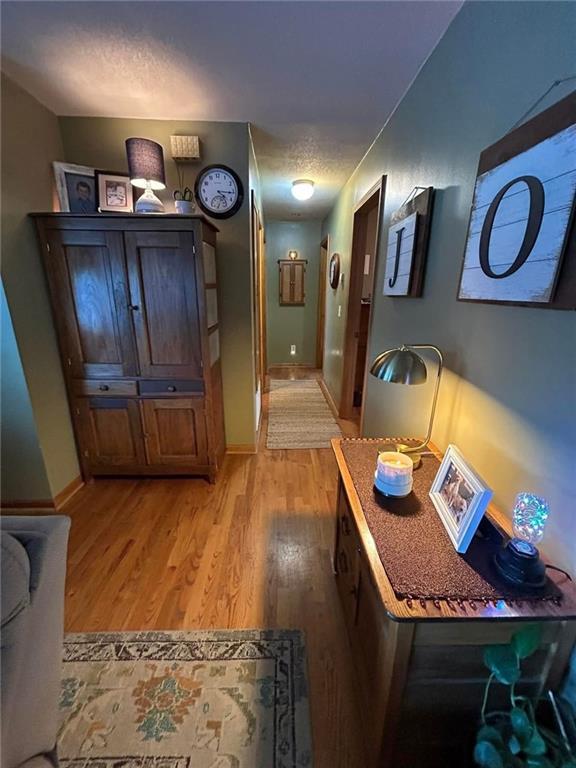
<point>133,307</point>
<point>103,387</point>
<point>171,388</point>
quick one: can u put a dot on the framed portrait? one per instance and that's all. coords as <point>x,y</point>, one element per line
<point>76,188</point>
<point>113,192</point>
<point>460,497</point>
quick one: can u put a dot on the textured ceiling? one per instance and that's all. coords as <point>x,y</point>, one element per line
<point>317,80</point>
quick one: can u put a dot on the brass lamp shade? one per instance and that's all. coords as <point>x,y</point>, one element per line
<point>399,366</point>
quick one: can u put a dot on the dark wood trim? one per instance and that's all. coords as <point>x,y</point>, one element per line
<point>329,398</point>
<point>373,198</point>
<point>62,498</point>
<point>47,504</point>
<point>321,314</point>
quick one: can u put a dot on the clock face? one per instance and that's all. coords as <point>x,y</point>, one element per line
<point>219,191</point>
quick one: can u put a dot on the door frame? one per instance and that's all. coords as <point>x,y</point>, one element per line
<point>321,317</point>
<point>258,297</point>
<point>374,197</point>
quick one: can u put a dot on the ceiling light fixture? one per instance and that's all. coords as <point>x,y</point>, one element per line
<point>302,189</point>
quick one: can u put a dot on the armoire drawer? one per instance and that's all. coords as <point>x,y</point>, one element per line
<point>106,387</point>
<point>179,387</point>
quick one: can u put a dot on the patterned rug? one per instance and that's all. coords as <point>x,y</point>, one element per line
<point>299,416</point>
<point>216,699</point>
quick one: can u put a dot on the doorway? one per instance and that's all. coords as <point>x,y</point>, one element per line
<point>321,321</point>
<point>365,235</point>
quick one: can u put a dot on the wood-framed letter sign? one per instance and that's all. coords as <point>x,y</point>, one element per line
<point>408,237</point>
<point>521,245</point>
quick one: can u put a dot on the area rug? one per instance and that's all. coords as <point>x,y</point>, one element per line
<point>209,699</point>
<point>299,416</point>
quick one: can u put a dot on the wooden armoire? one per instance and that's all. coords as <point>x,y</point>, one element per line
<point>135,306</point>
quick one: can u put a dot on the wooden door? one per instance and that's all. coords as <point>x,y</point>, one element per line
<point>163,283</point>
<point>175,431</point>
<point>364,256</point>
<point>110,432</point>
<point>88,282</point>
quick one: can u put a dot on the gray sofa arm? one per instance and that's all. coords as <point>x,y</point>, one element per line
<point>34,560</point>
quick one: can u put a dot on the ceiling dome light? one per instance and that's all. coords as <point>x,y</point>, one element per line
<point>303,189</point>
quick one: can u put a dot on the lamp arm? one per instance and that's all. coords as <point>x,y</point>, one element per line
<point>423,445</point>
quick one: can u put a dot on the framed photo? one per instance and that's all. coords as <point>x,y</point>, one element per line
<point>460,497</point>
<point>76,188</point>
<point>408,238</point>
<point>113,192</point>
<point>520,247</point>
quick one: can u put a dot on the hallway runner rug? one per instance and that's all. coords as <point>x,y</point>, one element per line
<point>299,416</point>
<point>203,699</point>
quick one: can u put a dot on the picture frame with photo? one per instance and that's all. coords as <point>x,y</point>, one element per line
<point>76,188</point>
<point>114,192</point>
<point>460,497</point>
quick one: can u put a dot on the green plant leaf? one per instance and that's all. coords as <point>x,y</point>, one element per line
<point>491,734</point>
<point>536,744</point>
<point>487,756</point>
<point>514,745</point>
<point>539,762</point>
<point>527,640</point>
<point>521,724</point>
<point>503,662</point>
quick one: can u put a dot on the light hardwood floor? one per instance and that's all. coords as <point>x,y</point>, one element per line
<point>254,550</point>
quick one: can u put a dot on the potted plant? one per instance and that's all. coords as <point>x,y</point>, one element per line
<point>515,737</point>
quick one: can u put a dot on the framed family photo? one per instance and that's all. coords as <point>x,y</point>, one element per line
<point>460,497</point>
<point>113,192</point>
<point>76,188</point>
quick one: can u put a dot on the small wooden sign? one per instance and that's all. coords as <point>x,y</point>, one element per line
<point>408,237</point>
<point>520,244</point>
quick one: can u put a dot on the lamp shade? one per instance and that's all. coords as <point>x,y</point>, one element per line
<point>399,366</point>
<point>145,163</point>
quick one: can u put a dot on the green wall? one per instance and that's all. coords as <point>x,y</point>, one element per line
<point>292,325</point>
<point>99,142</point>
<point>30,142</point>
<point>23,472</point>
<point>508,399</point>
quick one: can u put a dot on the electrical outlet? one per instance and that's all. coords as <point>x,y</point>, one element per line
<point>292,349</point>
<point>339,310</point>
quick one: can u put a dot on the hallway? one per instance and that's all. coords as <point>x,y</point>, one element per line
<point>254,550</point>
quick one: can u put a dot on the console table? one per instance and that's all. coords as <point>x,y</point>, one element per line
<point>419,662</point>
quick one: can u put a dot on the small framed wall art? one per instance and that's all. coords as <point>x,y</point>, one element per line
<point>407,248</point>
<point>76,188</point>
<point>521,245</point>
<point>113,192</point>
<point>460,497</point>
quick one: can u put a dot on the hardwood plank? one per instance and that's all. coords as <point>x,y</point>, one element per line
<point>253,550</point>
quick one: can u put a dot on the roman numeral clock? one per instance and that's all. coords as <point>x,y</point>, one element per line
<point>219,191</point>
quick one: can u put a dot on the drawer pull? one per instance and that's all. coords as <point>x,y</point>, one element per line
<point>133,307</point>
<point>345,525</point>
<point>343,562</point>
<point>171,388</point>
<point>103,387</point>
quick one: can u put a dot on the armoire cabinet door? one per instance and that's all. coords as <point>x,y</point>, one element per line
<point>162,275</point>
<point>175,431</point>
<point>111,432</point>
<point>88,280</point>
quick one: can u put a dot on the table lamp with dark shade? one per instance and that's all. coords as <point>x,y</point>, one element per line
<point>403,365</point>
<point>146,169</point>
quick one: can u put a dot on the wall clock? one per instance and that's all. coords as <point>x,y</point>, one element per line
<point>219,191</point>
<point>334,270</point>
